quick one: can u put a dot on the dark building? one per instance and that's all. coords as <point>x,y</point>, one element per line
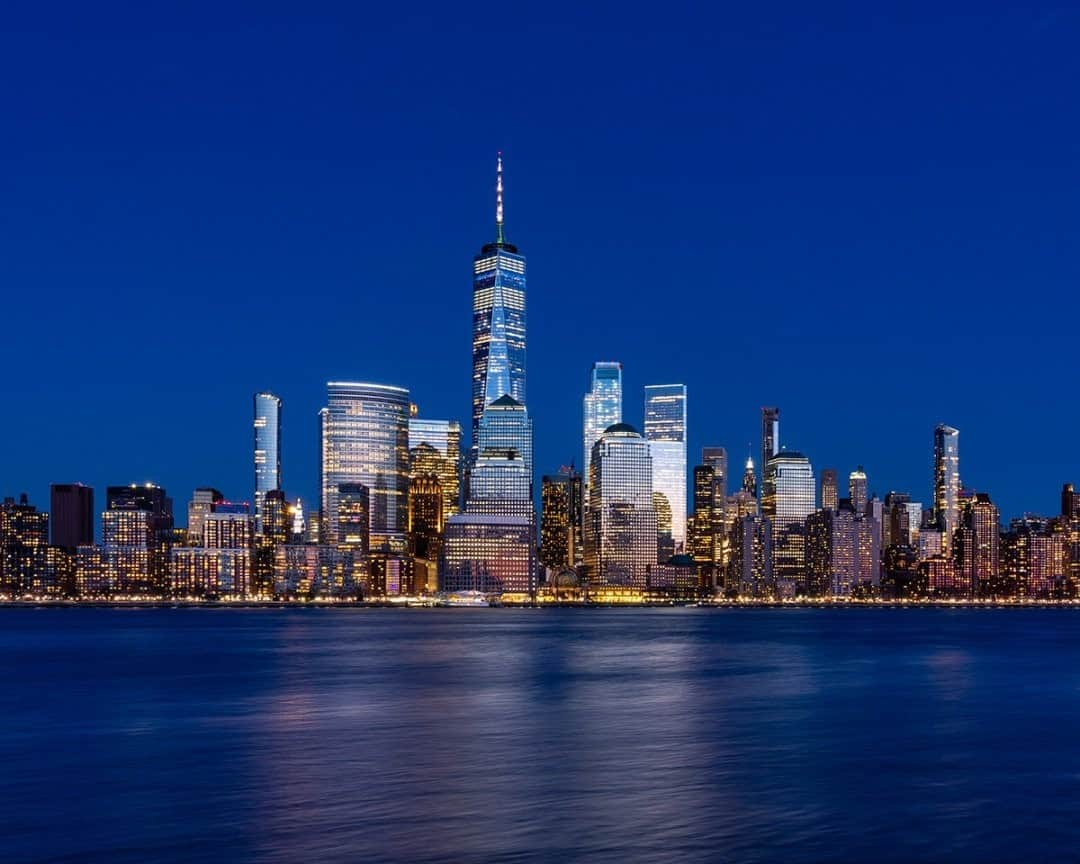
<point>425,516</point>
<point>24,538</point>
<point>561,499</point>
<point>71,512</point>
<point>149,498</point>
<point>830,491</point>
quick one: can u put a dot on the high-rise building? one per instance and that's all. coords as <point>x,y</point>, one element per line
<point>1033,560</point>
<point>267,450</point>
<point>788,497</point>
<point>831,568</point>
<point>858,491</point>
<point>561,520</point>
<point>426,517</point>
<point>365,439</point>
<point>750,568</point>
<point>975,546</point>
<point>620,524</point>
<point>24,538</point>
<point>749,478</point>
<point>228,526</point>
<point>830,492</point>
<point>500,485</point>
<point>498,327</point>
<point>665,431</point>
<point>148,497</point>
<point>444,438</point>
<point>770,438</point>
<point>200,506</point>
<point>488,553</point>
<point>602,406</point>
<point>505,425</point>
<point>947,483</point>
<point>71,513</point>
<point>716,458</point>
<point>354,517</point>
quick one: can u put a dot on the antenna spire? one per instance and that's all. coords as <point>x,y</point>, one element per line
<point>498,199</point>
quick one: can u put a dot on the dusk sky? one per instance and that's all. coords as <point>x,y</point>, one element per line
<point>865,214</point>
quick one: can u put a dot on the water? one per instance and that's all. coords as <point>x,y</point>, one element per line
<point>467,735</point>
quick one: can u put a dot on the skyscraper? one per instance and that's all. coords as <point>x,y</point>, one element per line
<point>830,492</point>
<point>770,437</point>
<point>947,483</point>
<point>788,497</point>
<point>561,520</point>
<point>498,327</point>
<point>665,430</point>
<point>200,506</point>
<point>976,545</point>
<point>857,491</point>
<point>365,439</point>
<point>267,450</point>
<point>71,514</point>
<point>620,524</point>
<point>505,425</point>
<point>716,458</point>
<point>602,406</point>
<point>444,439</point>
<point>749,478</point>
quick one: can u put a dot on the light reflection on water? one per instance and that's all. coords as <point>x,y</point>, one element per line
<point>538,735</point>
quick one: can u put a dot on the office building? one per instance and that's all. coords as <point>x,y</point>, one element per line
<point>365,439</point>
<point>665,432</point>
<point>442,455</point>
<point>71,515</point>
<point>750,568</point>
<point>505,425</point>
<point>770,437</point>
<point>200,506</point>
<point>830,492</point>
<point>602,406</point>
<point>947,483</point>
<point>788,497</point>
<point>858,491</point>
<point>562,509</point>
<point>498,324</point>
<point>488,553</point>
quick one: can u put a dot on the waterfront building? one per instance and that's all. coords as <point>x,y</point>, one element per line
<point>1033,560</point>
<point>228,526</point>
<point>71,515</point>
<point>561,514</point>
<point>354,517</point>
<point>365,438</point>
<point>488,553</point>
<point>426,517</point>
<point>202,572</point>
<point>201,505</point>
<point>149,498</point>
<point>435,446</point>
<point>831,556</point>
<point>947,483</point>
<point>620,529</point>
<point>267,425</point>
<point>750,568</point>
<point>602,406</point>
<point>788,497</point>
<point>498,322</point>
<point>976,545</point>
<point>24,539</point>
<point>665,431</point>
<point>500,485</point>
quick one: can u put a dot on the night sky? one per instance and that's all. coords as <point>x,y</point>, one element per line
<point>865,214</point>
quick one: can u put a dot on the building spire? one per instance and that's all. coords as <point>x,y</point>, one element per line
<point>498,199</point>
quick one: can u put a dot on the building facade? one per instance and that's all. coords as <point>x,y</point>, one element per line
<point>602,406</point>
<point>267,425</point>
<point>665,431</point>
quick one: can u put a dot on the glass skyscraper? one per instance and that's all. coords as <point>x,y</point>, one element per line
<point>602,406</point>
<point>788,496</point>
<point>444,436</point>
<point>505,425</point>
<point>365,439</point>
<point>665,430</point>
<point>947,483</point>
<point>267,451</point>
<point>498,319</point>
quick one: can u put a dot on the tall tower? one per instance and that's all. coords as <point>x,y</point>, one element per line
<point>788,496</point>
<point>830,493</point>
<point>498,318</point>
<point>947,483</point>
<point>267,451</point>
<point>665,430</point>
<point>602,406</point>
<point>770,437</point>
<point>365,440</point>
<point>857,491</point>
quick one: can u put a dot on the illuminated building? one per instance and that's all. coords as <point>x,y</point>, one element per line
<point>149,498</point>
<point>365,439</point>
<point>444,438</point>
<point>354,517</point>
<point>665,543</point>
<point>857,491</point>
<point>1070,525</point>
<point>830,492</point>
<point>505,425</point>
<point>425,516</point>
<point>1033,561</point>
<point>716,458</point>
<point>131,555</point>
<point>947,483</point>
<point>620,522</point>
<point>929,543</point>
<point>788,496</point>
<point>313,571</point>
<point>210,572</point>
<point>867,552</point>
<point>677,577</point>
<point>488,553</point>
<point>831,552</point>
<point>750,568</point>
<point>275,517</point>
<point>267,411</point>
<point>770,438</point>
<point>498,326</point>
<point>500,485</point>
<point>201,504</point>
<point>665,430</point>
<point>975,545</point>
<point>902,520</point>
<point>390,575</point>
<point>749,478</point>
<point>228,526</point>
<point>901,578</point>
<point>939,575</point>
<point>602,406</point>
<point>71,515</point>
<point>24,538</point>
<point>561,500</point>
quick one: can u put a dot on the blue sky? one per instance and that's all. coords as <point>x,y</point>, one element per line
<point>863,213</point>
